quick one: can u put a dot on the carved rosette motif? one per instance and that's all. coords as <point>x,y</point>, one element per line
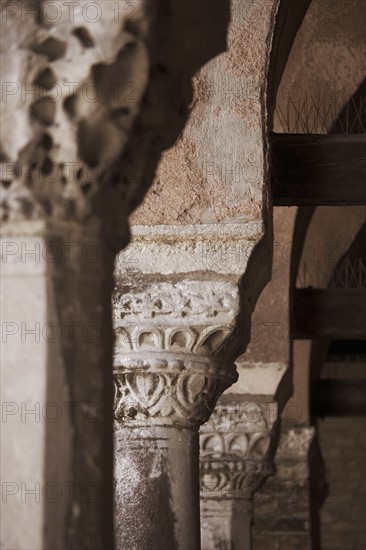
<point>235,449</point>
<point>171,360</point>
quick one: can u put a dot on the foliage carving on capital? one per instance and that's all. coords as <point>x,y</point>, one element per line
<point>168,392</point>
<point>171,359</point>
<point>190,317</point>
<point>67,105</point>
<point>235,449</point>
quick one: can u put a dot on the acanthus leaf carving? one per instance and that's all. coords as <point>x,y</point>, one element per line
<point>172,394</point>
<point>169,368</point>
<point>235,449</point>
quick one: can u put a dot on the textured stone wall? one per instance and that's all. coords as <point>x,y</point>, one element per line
<point>216,171</point>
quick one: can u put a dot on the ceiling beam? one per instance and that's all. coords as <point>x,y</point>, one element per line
<point>318,170</point>
<point>335,313</point>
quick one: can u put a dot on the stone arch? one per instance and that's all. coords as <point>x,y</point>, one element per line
<point>324,69</point>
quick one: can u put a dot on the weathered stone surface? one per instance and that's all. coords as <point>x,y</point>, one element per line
<point>88,122</point>
<point>235,449</point>
<point>181,314</point>
<point>216,171</point>
<point>171,364</point>
<point>156,484</point>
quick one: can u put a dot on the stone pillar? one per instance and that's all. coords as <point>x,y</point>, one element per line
<point>86,111</point>
<point>167,384</point>
<point>239,441</point>
<point>235,461</point>
<point>285,509</point>
<point>180,320</point>
<point>56,391</point>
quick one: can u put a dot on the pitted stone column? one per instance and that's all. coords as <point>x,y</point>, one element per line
<point>235,461</point>
<point>176,341</point>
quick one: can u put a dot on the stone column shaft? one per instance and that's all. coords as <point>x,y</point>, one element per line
<point>157,484</point>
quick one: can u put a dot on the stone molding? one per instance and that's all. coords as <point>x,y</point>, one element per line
<point>235,449</point>
<point>220,248</point>
<point>165,301</point>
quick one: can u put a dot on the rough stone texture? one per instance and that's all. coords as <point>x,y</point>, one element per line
<point>282,511</point>
<point>55,125</point>
<point>216,171</point>
<point>112,144</point>
<point>175,346</point>
<point>181,314</point>
<point>342,517</point>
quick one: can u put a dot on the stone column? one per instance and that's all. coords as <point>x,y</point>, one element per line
<point>239,442</point>
<point>168,379</point>
<point>180,320</point>
<point>235,461</point>
<point>86,111</point>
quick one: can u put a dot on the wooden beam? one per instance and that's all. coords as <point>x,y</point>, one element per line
<point>335,313</point>
<point>339,398</point>
<point>318,170</point>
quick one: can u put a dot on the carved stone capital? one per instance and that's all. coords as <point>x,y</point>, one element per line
<point>177,339</point>
<point>235,449</point>
<point>172,362</point>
